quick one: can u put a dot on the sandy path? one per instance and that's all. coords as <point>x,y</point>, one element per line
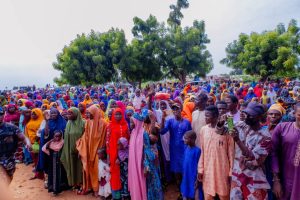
<point>23,188</point>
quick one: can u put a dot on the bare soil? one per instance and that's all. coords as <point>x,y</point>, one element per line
<point>22,188</point>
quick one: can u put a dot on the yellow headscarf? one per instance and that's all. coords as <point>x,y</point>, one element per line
<point>277,107</point>
<point>34,124</point>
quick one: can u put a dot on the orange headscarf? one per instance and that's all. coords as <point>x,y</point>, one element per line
<point>187,111</point>
<point>33,125</point>
<point>92,139</point>
<point>87,100</point>
<point>47,106</point>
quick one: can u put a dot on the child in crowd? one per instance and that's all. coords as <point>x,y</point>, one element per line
<point>103,175</point>
<point>123,151</point>
<point>190,163</point>
<point>56,174</point>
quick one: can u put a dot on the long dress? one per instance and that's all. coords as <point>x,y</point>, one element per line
<point>57,180</point>
<point>69,157</point>
<point>116,130</point>
<point>286,158</point>
<point>87,146</point>
<point>53,125</point>
<point>151,165</point>
<point>136,178</point>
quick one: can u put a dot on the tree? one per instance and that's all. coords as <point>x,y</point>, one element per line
<point>140,62</point>
<point>91,59</point>
<point>271,53</point>
<point>184,52</point>
<point>176,15</point>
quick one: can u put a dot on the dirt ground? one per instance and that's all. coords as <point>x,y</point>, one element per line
<point>23,188</point>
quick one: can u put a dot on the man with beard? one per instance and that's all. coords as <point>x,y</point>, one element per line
<point>253,143</point>
<point>10,135</point>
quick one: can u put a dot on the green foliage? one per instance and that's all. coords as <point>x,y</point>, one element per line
<point>176,15</point>
<point>184,52</point>
<point>91,59</point>
<point>140,62</point>
<point>271,53</point>
<point>154,52</point>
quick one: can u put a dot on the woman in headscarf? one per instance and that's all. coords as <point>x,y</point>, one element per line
<point>70,158</point>
<point>38,103</point>
<point>70,103</point>
<point>136,177</point>
<point>31,131</point>
<point>82,109</point>
<point>164,107</point>
<point>87,100</point>
<point>128,114</point>
<point>12,115</point>
<point>117,128</point>
<point>111,104</point>
<point>92,139</point>
<point>29,105</point>
<point>121,105</point>
<point>45,101</point>
<point>45,107</point>
<point>151,159</point>
<point>102,106</point>
<point>21,103</point>
<point>187,110</point>
<point>224,94</point>
<point>55,123</point>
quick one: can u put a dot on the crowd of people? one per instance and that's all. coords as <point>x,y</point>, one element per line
<point>222,139</point>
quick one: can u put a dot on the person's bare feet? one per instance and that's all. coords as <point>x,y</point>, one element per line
<point>96,194</point>
<point>32,178</point>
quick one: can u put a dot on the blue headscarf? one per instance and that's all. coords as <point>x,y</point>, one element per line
<point>58,124</point>
<point>141,116</point>
<point>38,103</point>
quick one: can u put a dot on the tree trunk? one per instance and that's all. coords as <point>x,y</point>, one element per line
<point>182,78</point>
<point>140,85</point>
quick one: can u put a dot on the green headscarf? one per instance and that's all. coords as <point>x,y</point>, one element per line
<point>69,156</point>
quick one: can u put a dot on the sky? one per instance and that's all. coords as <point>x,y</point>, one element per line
<point>33,32</point>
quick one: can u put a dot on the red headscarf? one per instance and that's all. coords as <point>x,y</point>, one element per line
<point>29,104</point>
<point>121,106</point>
<point>117,129</point>
<point>69,103</point>
<point>13,117</point>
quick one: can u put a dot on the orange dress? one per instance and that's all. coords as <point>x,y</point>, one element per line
<point>92,139</point>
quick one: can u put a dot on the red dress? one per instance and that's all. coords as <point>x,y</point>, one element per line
<point>116,130</point>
